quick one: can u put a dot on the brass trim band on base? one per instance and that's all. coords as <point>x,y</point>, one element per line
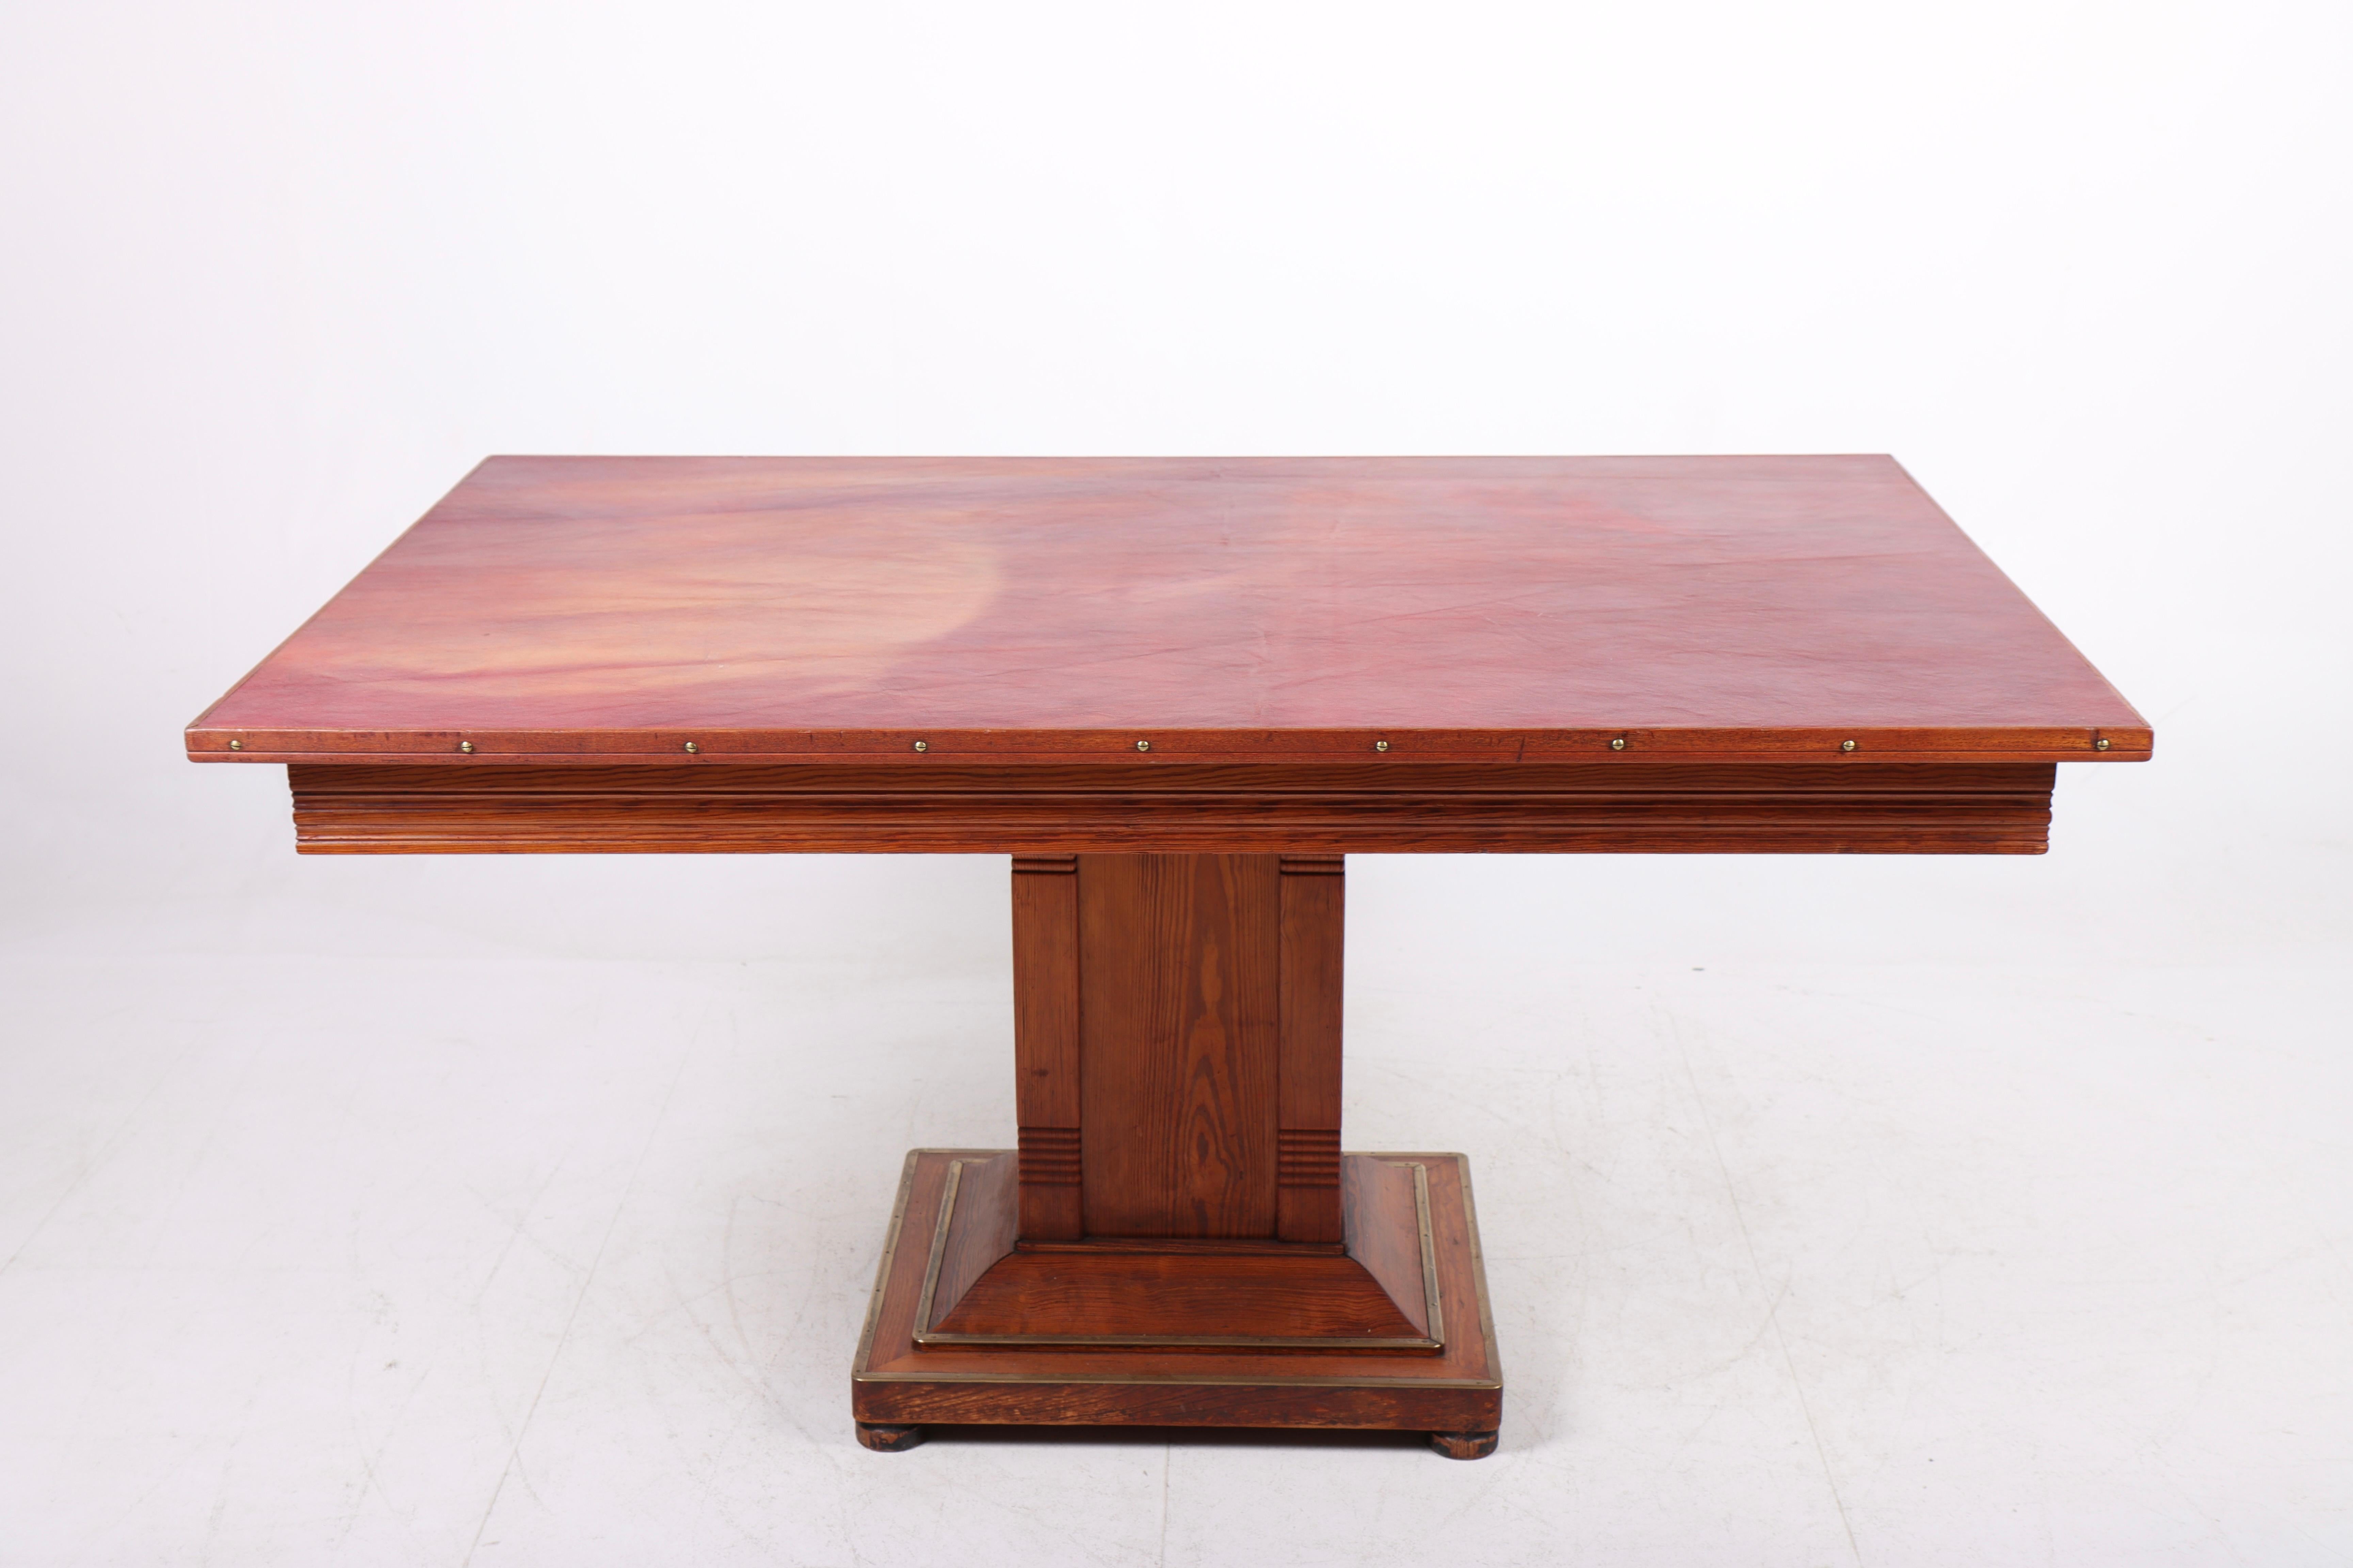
<point>1435,1318</point>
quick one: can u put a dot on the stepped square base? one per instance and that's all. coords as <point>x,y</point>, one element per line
<point>1218,1357</point>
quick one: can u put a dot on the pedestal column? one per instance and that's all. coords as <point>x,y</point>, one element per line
<point>1176,1042</point>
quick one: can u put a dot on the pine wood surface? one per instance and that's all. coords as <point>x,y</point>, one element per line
<point>1614,805</point>
<point>1178,1013</point>
<point>1179,1295</point>
<point>1384,1223</point>
<point>1046,1044</point>
<point>1312,940</point>
<point>1177,1043</point>
<point>895,1381</point>
<point>1043,610</point>
<point>986,1203</point>
<point>1373,1292</point>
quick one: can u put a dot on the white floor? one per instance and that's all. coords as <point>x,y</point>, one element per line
<point>425,1258</point>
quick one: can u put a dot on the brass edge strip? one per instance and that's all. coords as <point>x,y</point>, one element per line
<point>939,1249</point>
<point>1151,1342</point>
<point>1479,1271</point>
<point>1181,1380</point>
<point>882,1270</point>
<point>857,1369</point>
<point>1437,1330</point>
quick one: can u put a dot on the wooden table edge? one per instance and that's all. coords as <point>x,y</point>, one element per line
<point>1147,748</point>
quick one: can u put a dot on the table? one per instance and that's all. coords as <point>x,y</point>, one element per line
<point>1178,692</point>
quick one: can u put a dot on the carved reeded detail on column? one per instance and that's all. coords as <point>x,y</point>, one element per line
<point>1314,865</point>
<point>1049,1156</point>
<point>1307,1157</point>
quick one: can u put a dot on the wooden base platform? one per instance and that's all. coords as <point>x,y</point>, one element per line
<point>1194,1334</point>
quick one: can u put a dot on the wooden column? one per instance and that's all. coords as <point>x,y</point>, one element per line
<point>1046,1043</point>
<point>1308,1137</point>
<point>1177,1026</point>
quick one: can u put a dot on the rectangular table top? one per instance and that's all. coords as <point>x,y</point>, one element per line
<point>690,610</point>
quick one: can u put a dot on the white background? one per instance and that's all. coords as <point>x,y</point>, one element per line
<point>521,1210</point>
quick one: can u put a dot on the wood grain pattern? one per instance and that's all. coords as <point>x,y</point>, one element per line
<point>1078,1395</point>
<point>1177,1019</point>
<point>1177,1037</point>
<point>1058,609</point>
<point>1165,1298</point>
<point>1307,1093</point>
<point>1608,807</point>
<point>1374,1293</point>
<point>1458,1389</point>
<point>1046,1044</point>
<point>987,1207</point>
<point>1385,1232</point>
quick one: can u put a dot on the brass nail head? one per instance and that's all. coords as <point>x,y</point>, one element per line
<point>692,747</point>
<point>1846,745</point>
<point>1144,745</point>
<point>1619,744</point>
<point>922,745</point>
<point>2100,743</point>
<point>465,745</point>
<point>237,745</point>
<point>1380,745</point>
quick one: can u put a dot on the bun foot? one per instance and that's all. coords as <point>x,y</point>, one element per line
<point>1464,1445</point>
<point>887,1439</point>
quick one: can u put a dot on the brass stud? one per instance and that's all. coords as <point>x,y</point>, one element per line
<point>1846,745</point>
<point>465,745</point>
<point>2100,743</point>
<point>922,745</point>
<point>1144,745</point>
<point>1380,745</point>
<point>237,745</point>
<point>692,747</point>
<point>1619,744</point>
